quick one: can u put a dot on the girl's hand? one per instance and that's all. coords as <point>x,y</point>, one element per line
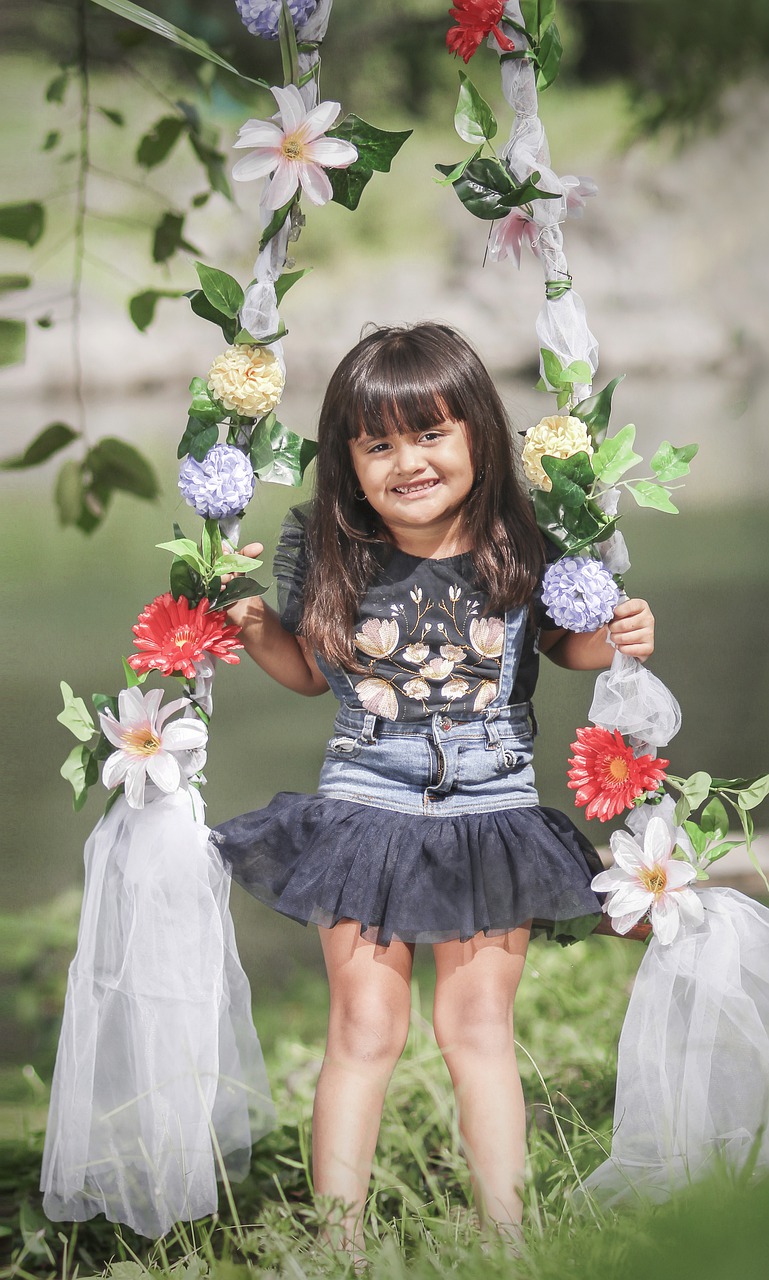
<point>632,629</point>
<point>238,610</point>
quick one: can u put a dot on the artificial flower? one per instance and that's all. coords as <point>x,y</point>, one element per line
<point>647,878</point>
<point>378,637</point>
<point>296,151</point>
<point>579,593</point>
<point>487,636</point>
<point>147,747</point>
<point>607,776</point>
<point>247,380</point>
<point>577,191</point>
<point>221,485</point>
<point>262,17</point>
<point>378,696</point>
<point>476,19</point>
<point>559,436</point>
<point>508,235</point>
<point>173,637</point>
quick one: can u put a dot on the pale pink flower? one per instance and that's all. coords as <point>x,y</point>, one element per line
<point>417,689</point>
<point>647,878</point>
<point>508,235</point>
<point>378,637</point>
<point>436,669</point>
<point>147,749</point>
<point>453,652</point>
<point>577,191</point>
<point>415,653</point>
<point>295,152</point>
<point>378,696</point>
<point>487,692</point>
<point>487,636</point>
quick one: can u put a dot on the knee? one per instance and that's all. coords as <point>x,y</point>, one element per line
<point>483,1027</point>
<point>366,1031</point>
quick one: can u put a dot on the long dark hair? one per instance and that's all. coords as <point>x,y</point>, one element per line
<point>409,380</point>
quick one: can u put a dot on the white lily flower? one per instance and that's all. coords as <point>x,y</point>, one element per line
<point>295,152</point>
<point>147,747</point>
<point>647,878</point>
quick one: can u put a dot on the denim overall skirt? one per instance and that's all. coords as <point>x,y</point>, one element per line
<point>422,831</point>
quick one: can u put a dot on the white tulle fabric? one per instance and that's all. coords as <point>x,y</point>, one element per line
<point>562,323</point>
<point>159,1082</point>
<point>693,1071</point>
<point>629,698</point>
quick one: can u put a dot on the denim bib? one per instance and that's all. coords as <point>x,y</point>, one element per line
<point>439,766</point>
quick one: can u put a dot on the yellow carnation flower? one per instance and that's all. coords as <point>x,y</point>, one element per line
<point>247,380</point>
<point>555,437</point>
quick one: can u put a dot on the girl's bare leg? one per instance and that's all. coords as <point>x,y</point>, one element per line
<point>476,982</point>
<point>368,1024</point>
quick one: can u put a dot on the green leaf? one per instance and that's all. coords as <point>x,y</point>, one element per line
<point>474,119</point>
<point>203,308</point>
<point>549,56</point>
<point>349,184</point>
<point>569,528</point>
<point>69,493</point>
<point>114,117</point>
<point>376,147</point>
<point>571,479</point>
<point>159,141</point>
<point>203,404</point>
<point>199,437</point>
<point>169,237</point>
<point>159,27</point>
<point>238,589</point>
<point>698,838</point>
<point>615,456</point>
<point>715,819</point>
<point>552,367</point>
<point>106,702</point>
<point>287,281</point>
<point>528,190</point>
<point>75,715</point>
<point>647,494</point>
<point>13,341</point>
<point>291,453</point>
<point>54,437</point>
<point>720,850</point>
<point>22,221</point>
<point>132,678</point>
<point>669,462</point>
<point>485,188</point>
<point>81,771</point>
<point>455,172</point>
<point>214,164</point>
<point>578,371</point>
<point>247,339</point>
<point>280,215</point>
<point>52,139</point>
<point>185,581</point>
<point>288,51</point>
<point>12,283</point>
<point>141,306</point>
<point>696,788</point>
<point>752,796</point>
<point>57,87</point>
<point>117,465</point>
<point>222,291</point>
<point>185,549</point>
<point>596,411</point>
<point>681,811</point>
<point>211,542</point>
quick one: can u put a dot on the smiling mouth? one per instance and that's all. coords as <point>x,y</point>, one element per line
<point>419,486</point>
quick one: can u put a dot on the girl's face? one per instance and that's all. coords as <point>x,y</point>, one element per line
<point>417,482</point>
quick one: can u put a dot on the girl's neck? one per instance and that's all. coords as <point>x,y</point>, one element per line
<point>430,543</point>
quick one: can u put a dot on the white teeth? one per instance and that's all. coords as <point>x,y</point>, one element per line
<point>415,488</point>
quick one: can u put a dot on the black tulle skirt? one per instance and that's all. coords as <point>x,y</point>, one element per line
<point>319,859</point>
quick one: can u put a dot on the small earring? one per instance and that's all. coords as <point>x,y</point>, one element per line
<point>359,495</point>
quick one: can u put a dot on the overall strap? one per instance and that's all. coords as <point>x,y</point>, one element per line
<point>339,681</point>
<point>515,629</point>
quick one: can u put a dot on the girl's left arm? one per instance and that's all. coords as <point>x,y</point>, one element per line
<point>631,630</point>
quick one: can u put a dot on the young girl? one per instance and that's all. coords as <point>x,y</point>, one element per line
<point>409,587</point>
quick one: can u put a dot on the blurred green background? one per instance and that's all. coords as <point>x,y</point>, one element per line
<point>668,260</point>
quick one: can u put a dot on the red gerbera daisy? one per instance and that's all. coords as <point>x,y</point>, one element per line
<point>475,19</point>
<point>174,637</point>
<point>606,776</point>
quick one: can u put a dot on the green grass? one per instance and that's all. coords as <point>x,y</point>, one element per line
<point>420,1219</point>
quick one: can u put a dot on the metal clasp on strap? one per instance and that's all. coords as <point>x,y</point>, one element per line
<point>367,732</point>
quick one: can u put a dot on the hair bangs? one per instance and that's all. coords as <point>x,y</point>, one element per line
<point>405,389</point>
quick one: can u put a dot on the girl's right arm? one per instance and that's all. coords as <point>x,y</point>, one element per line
<point>285,657</point>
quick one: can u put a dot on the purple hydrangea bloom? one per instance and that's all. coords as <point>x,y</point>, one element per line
<point>219,486</point>
<point>579,593</point>
<point>261,17</point>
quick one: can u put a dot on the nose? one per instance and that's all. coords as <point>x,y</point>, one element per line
<point>408,457</point>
